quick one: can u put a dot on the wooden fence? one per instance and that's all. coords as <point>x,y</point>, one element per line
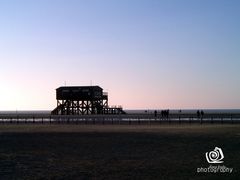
<point>223,118</point>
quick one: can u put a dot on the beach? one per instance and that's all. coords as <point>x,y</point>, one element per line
<point>69,151</point>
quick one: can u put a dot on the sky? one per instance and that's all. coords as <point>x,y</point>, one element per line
<point>177,54</point>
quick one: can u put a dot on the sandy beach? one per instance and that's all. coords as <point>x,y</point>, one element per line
<point>35,151</point>
<point>124,128</point>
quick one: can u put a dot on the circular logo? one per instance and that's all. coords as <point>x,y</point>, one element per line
<point>215,156</point>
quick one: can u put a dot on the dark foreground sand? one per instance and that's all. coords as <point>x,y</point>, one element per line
<point>29,151</point>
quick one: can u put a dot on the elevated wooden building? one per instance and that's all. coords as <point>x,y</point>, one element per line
<point>76,100</point>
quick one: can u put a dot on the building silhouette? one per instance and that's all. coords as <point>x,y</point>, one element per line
<point>76,100</point>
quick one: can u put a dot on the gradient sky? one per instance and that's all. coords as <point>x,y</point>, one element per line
<point>145,53</point>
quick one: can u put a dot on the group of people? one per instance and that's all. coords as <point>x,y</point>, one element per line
<point>164,113</point>
<point>200,114</point>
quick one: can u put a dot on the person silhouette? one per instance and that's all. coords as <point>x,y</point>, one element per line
<point>155,113</point>
<point>198,114</point>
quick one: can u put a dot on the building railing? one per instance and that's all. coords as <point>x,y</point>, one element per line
<point>105,93</point>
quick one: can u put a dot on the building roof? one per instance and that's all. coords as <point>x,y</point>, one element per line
<point>79,87</point>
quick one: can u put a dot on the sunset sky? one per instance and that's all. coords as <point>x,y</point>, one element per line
<point>145,53</point>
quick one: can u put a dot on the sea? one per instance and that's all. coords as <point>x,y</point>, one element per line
<point>137,111</point>
<point>185,111</point>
